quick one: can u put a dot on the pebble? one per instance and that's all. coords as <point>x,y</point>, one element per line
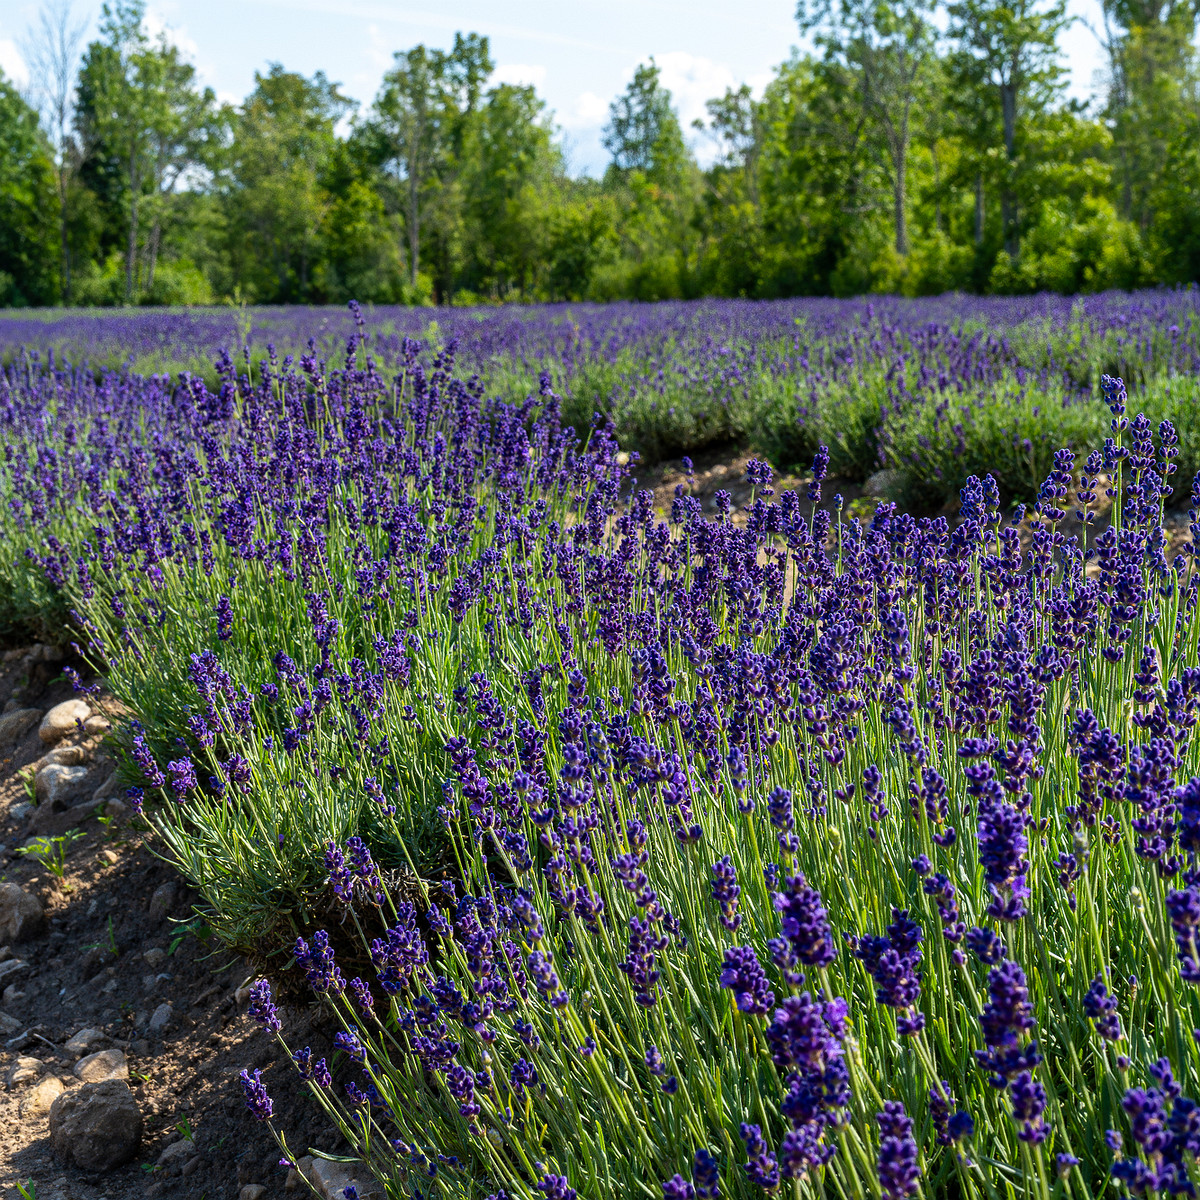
<point>64,756</point>
<point>161,902</point>
<point>177,1153</point>
<point>332,1178</point>
<point>107,788</point>
<point>12,967</point>
<point>96,1127</point>
<point>60,720</point>
<point>16,724</point>
<point>8,1024</point>
<point>154,955</point>
<point>298,1174</point>
<point>21,914</point>
<point>77,1043</point>
<point>39,1100</point>
<point>57,785</point>
<point>23,1071</point>
<point>191,1166</point>
<point>102,1066</point>
<point>252,1191</point>
<point>161,1018</point>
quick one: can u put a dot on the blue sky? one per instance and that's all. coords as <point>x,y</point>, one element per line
<point>578,53</point>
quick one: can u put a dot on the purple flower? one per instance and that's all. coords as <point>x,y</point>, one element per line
<point>744,976</point>
<point>257,1100</point>
<point>224,619</point>
<point>807,939</point>
<point>262,1008</point>
<point>899,1174</point>
<point>1101,1008</point>
<point>761,1166</point>
<point>706,1175</point>
<point>183,777</point>
<point>678,1188</point>
<point>725,891</point>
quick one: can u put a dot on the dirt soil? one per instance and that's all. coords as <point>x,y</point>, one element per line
<point>122,952</point>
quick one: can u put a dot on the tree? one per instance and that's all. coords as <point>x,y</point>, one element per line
<point>1011,47</point>
<point>275,183</point>
<point>643,132</point>
<point>889,45</point>
<point>420,118</point>
<point>139,108</point>
<point>27,225</point>
<point>52,53</point>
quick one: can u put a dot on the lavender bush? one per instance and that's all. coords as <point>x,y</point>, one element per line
<point>786,854</point>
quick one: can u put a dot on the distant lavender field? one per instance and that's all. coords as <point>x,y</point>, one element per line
<point>936,389</point>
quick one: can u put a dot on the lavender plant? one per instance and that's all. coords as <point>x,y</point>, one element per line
<point>792,853</point>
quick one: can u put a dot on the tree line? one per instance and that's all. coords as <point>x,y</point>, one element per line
<point>919,146</point>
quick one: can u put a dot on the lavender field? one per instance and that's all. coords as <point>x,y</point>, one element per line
<point>661,854</point>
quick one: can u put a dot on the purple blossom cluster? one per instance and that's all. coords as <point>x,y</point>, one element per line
<point>674,773</point>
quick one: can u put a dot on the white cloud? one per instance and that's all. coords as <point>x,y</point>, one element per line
<point>691,80</point>
<point>589,111</point>
<point>520,75</point>
<point>12,64</point>
<point>175,35</point>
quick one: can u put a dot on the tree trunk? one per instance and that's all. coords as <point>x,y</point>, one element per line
<point>154,236</point>
<point>900,198</point>
<point>131,249</point>
<point>979,208</point>
<point>414,227</point>
<point>1008,199</point>
<point>62,229</point>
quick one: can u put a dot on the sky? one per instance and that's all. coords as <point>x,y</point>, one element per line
<point>578,53</point>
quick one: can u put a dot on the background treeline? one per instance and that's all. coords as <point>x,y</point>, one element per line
<point>920,148</point>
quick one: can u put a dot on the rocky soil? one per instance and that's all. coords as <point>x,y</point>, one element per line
<point>122,1026</point>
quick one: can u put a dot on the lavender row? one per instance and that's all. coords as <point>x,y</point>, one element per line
<point>678,856</point>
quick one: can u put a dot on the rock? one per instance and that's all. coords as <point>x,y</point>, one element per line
<point>23,1071</point>
<point>79,1042</point>
<point>177,1153</point>
<point>60,720</point>
<point>162,901</point>
<point>107,788</point>
<point>13,967</point>
<point>16,724</point>
<point>154,955</point>
<point>102,1066</point>
<point>8,1024</point>
<point>161,1019</point>
<point>110,856</point>
<point>191,1166</point>
<point>97,724</point>
<point>12,994</point>
<point>64,756</point>
<point>252,1191</point>
<point>21,914</point>
<point>299,1173</point>
<point>19,812</point>
<point>39,1100</point>
<point>96,1127</point>
<point>57,786</point>
<point>116,808</point>
<point>887,484</point>
<point>332,1178</point>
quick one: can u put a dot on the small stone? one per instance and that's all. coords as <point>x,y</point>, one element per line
<point>13,967</point>
<point>154,955</point>
<point>23,1071</point>
<point>161,902</point>
<point>116,808</point>
<point>8,1024</point>
<point>96,1127</point>
<point>191,1166</point>
<point>58,786</point>
<point>110,856</point>
<point>39,1100</point>
<point>332,1178</point>
<point>140,1047</point>
<point>252,1191</point>
<point>177,1153</point>
<point>16,724</point>
<point>97,724</point>
<point>102,1066</point>
<point>21,914</point>
<point>64,756</point>
<point>297,1176</point>
<point>12,994</point>
<point>79,1042</point>
<point>107,788</point>
<point>160,1019</point>
<point>22,811</point>
<point>60,720</point>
